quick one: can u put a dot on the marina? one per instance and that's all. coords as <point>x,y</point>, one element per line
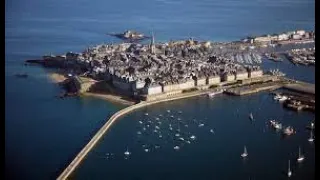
<point>180,139</point>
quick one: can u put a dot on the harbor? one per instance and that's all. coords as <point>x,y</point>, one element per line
<point>264,83</point>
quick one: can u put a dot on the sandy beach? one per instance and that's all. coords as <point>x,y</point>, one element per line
<point>111,97</point>
<point>56,77</point>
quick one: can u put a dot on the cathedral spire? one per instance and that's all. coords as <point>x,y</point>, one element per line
<point>152,44</point>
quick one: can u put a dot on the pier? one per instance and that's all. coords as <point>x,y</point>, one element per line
<point>301,87</point>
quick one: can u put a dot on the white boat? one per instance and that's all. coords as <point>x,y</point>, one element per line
<point>276,124</point>
<point>146,150</point>
<point>289,170</point>
<point>127,152</point>
<point>211,130</point>
<point>311,139</point>
<point>176,148</point>
<point>245,153</point>
<point>300,157</point>
<point>277,97</point>
<point>283,98</point>
<point>288,131</point>
<point>280,98</point>
<point>146,114</point>
<point>193,137</point>
<point>212,94</point>
<point>201,125</point>
<point>251,116</point>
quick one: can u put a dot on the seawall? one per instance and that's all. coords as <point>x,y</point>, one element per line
<point>82,154</point>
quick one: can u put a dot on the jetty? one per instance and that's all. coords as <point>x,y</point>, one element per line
<point>301,87</point>
<point>83,153</point>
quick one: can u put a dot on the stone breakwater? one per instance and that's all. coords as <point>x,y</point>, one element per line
<point>82,154</point>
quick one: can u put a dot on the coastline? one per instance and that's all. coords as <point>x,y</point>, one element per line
<point>56,77</point>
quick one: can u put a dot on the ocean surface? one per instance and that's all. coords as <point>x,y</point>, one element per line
<point>44,133</point>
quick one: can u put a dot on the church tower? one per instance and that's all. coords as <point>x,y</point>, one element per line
<point>152,45</point>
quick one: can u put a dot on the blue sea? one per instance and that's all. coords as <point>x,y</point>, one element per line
<point>44,133</point>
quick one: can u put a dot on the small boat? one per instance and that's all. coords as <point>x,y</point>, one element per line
<point>139,132</point>
<point>140,122</point>
<point>251,116</point>
<point>311,139</point>
<point>146,114</point>
<point>276,124</point>
<point>176,148</point>
<point>211,130</point>
<point>277,97</point>
<point>193,137</point>
<point>146,150</point>
<point>311,127</point>
<point>288,131</point>
<point>177,134</point>
<point>127,152</point>
<point>283,98</point>
<point>182,139</point>
<point>300,157</point>
<point>212,94</point>
<point>280,98</point>
<point>155,131</point>
<point>245,153</point>
<point>289,170</point>
<point>201,125</point>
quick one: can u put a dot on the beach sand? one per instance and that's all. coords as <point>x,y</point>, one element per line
<point>56,77</point>
<point>111,98</point>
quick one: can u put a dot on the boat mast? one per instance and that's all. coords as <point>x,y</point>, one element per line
<point>289,170</point>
